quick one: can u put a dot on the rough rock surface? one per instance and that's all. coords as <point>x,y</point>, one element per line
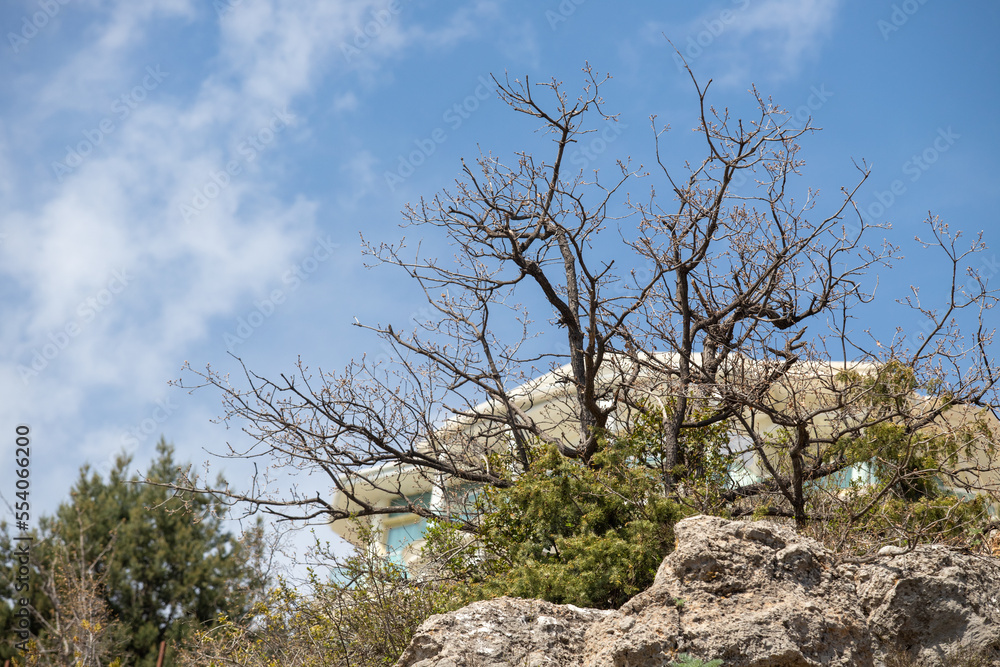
<point>751,593</point>
<point>933,603</point>
<point>748,593</point>
<point>504,631</point>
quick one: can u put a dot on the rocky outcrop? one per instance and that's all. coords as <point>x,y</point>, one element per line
<point>501,632</point>
<point>933,603</point>
<point>750,593</point>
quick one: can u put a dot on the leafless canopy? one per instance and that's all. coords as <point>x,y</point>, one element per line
<point>740,298</point>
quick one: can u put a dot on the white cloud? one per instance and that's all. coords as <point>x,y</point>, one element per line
<point>101,69</point>
<point>6,166</point>
<point>743,41</point>
<point>466,22</point>
<point>120,209</point>
<point>279,48</point>
<point>107,287</point>
<point>345,102</point>
<point>519,43</point>
<point>361,170</point>
<point>376,35</point>
<point>118,212</point>
<point>788,30</point>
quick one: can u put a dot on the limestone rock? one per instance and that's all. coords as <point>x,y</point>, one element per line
<point>933,603</point>
<point>748,593</point>
<point>754,594</point>
<point>504,631</point>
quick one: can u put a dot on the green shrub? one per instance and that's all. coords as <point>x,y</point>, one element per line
<point>687,660</point>
<point>568,533</point>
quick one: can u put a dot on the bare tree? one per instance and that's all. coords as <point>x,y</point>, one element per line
<point>79,628</point>
<point>746,297</point>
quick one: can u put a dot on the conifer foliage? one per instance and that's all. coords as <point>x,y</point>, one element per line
<point>122,566</point>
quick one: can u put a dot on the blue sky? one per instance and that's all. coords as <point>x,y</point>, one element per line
<point>180,180</point>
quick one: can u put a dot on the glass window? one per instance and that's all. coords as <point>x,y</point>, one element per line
<point>845,478</point>
<point>421,500</point>
<point>399,537</point>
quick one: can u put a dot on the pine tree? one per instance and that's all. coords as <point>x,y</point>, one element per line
<point>161,563</point>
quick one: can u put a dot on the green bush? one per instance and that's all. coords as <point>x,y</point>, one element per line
<point>566,532</point>
<point>687,660</point>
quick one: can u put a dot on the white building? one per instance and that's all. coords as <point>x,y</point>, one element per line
<point>545,399</point>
